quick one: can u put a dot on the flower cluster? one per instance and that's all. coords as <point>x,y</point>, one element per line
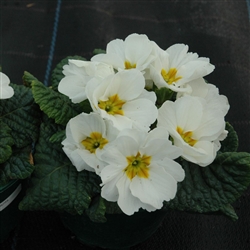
<point>130,139</point>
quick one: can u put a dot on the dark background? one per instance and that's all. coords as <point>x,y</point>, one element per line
<point>218,29</point>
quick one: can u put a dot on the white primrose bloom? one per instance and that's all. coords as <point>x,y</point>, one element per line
<point>6,91</point>
<point>141,172</point>
<point>213,99</point>
<point>122,99</point>
<point>175,67</point>
<point>194,126</point>
<point>86,137</point>
<point>210,93</point>
<point>134,52</point>
<point>77,75</point>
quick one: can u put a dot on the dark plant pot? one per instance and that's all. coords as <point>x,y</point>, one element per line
<point>10,196</point>
<point>119,232</point>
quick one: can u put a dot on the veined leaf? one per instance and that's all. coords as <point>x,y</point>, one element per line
<point>58,136</point>
<point>97,209</point>
<point>28,79</point>
<point>6,141</point>
<point>230,144</point>
<point>18,166</point>
<point>21,115</point>
<point>55,183</point>
<point>213,188</point>
<point>55,105</point>
<point>57,74</point>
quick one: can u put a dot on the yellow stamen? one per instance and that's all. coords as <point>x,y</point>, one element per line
<point>94,141</point>
<point>113,105</point>
<point>138,165</point>
<point>186,136</point>
<point>170,76</point>
<point>128,65</point>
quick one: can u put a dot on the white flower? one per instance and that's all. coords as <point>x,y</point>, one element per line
<point>77,75</point>
<point>86,137</point>
<point>134,52</point>
<point>175,67</point>
<point>194,127</point>
<point>6,91</point>
<point>141,172</point>
<point>122,99</point>
<point>210,93</point>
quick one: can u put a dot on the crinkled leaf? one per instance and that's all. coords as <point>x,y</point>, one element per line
<point>18,166</point>
<point>28,79</point>
<point>55,183</point>
<point>112,207</point>
<point>212,188</point>
<point>57,74</point>
<point>59,136</point>
<point>6,141</point>
<point>230,144</point>
<point>22,115</point>
<point>97,209</point>
<point>53,104</point>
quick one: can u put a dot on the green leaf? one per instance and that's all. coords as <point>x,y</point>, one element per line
<point>55,105</point>
<point>212,188</point>
<point>21,115</point>
<point>55,183</point>
<point>6,141</point>
<point>97,209</point>
<point>230,144</point>
<point>58,136</point>
<point>163,94</point>
<point>99,51</point>
<point>28,79</point>
<point>18,166</point>
<point>228,210</point>
<point>57,74</point>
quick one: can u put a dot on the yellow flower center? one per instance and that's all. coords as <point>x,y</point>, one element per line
<point>138,165</point>
<point>128,65</point>
<point>186,136</point>
<point>170,76</point>
<point>94,141</point>
<point>113,105</point>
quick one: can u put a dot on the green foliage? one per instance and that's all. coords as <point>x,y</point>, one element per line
<point>28,79</point>
<point>55,183</point>
<point>6,141</point>
<point>21,115</point>
<point>99,51</point>
<point>213,188</point>
<point>163,94</point>
<point>57,73</point>
<point>230,144</point>
<point>96,211</point>
<point>59,136</point>
<point>18,166</point>
<point>55,105</point>
<point>19,128</point>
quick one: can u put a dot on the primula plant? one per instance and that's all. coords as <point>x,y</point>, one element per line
<point>135,128</point>
<point>19,128</point>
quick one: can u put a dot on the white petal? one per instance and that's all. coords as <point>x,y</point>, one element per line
<point>138,110</point>
<point>6,91</point>
<point>173,168</point>
<point>126,201</point>
<point>189,112</point>
<point>110,176</point>
<point>154,190</point>
<point>73,87</point>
